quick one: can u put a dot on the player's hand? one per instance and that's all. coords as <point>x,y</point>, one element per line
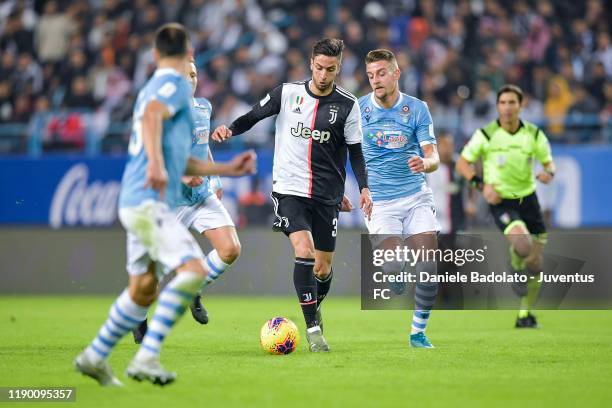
<point>244,163</point>
<point>346,206</point>
<point>491,195</point>
<point>219,193</point>
<point>365,202</point>
<point>221,133</point>
<point>544,177</point>
<point>193,181</point>
<point>416,164</point>
<point>157,178</point>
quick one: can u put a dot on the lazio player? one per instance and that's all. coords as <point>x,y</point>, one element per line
<point>200,207</point>
<point>399,146</point>
<point>159,154</point>
<point>507,147</point>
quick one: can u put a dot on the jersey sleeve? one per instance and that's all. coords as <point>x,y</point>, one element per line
<point>424,129</point>
<point>475,147</point>
<point>174,94</point>
<point>542,148</point>
<point>352,127</point>
<point>268,106</point>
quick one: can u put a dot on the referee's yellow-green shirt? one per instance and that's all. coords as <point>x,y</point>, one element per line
<point>508,157</point>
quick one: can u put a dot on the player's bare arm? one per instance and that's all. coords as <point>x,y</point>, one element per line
<point>244,163</point>
<point>152,118</point>
<point>426,164</point>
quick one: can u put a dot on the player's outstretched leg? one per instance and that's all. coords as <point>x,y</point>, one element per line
<point>124,315</point>
<point>172,303</point>
<point>424,299</point>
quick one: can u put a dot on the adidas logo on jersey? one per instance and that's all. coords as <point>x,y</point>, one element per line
<point>306,133</point>
<point>297,110</point>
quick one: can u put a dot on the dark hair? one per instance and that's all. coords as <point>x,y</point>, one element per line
<point>510,88</point>
<point>331,47</point>
<point>380,54</point>
<point>171,40</point>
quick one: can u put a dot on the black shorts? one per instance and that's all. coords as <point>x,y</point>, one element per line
<point>526,209</point>
<point>295,213</point>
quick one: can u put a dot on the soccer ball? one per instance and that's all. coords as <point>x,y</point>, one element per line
<point>279,336</point>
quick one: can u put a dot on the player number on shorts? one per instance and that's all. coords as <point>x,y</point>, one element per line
<point>335,230</point>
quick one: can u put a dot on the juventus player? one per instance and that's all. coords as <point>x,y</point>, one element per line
<point>317,122</point>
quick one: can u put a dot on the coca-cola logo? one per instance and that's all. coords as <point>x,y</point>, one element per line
<point>75,201</point>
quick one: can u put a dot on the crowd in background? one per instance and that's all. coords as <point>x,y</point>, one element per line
<point>72,67</point>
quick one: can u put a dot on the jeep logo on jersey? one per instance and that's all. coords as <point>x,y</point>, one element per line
<point>333,114</point>
<point>306,132</point>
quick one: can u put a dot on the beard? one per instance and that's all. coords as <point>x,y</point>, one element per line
<point>323,87</point>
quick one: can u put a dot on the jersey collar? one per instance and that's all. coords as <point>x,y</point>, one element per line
<point>307,86</point>
<point>399,101</point>
<point>521,124</point>
<point>163,71</point>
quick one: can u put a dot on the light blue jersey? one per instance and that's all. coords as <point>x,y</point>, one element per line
<point>390,137</point>
<point>202,110</point>
<point>173,90</point>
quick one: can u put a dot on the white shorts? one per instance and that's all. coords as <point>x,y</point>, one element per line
<point>404,216</point>
<point>155,234</point>
<point>206,215</point>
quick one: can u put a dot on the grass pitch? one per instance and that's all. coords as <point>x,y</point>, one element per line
<point>480,360</point>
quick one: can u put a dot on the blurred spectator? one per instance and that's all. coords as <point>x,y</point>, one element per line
<point>6,103</point>
<point>75,66</point>
<point>79,96</point>
<point>23,109</point>
<point>28,76</point>
<point>597,81</point>
<point>533,110</point>
<point>480,109</point>
<point>558,101</point>
<point>582,121</point>
<point>52,33</point>
<point>15,37</point>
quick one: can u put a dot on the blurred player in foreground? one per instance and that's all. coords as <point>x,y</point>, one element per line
<point>507,147</point>
<point>157,243</point>
<point>200,207</point>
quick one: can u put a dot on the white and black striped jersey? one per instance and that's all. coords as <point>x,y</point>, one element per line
<point>311,138</point>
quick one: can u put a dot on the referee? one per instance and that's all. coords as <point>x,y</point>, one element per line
<point>507,147</point>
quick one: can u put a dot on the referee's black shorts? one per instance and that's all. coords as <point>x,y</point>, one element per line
<point>526,209</point>
<point>293,213</point>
